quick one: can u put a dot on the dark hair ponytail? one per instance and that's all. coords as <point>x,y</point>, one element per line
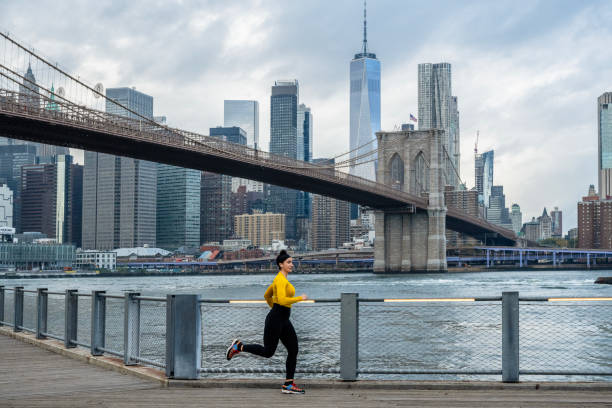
<point>282,257</point>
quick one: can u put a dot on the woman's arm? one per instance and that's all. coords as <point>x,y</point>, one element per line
<point>268,295</point>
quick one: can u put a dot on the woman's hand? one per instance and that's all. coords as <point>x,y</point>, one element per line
<point>304,297</point>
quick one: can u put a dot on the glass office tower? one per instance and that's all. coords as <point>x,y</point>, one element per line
<point>604,170</point>
<point>244,114</point>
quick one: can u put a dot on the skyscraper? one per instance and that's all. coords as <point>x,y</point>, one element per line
<point>304,130</point>
<point>119,193</point>
<point>517,218</point>
<point>604,156</point>
<point>284,142</point>
<point>47,198</point>
<point>364,108</point>
<point>6,206</point>
<point>244,114</point>
<point>483,166</point>
<point>556,217</point>
<point>438,109</point>
<point>178,207</point>
<point>12,157</point>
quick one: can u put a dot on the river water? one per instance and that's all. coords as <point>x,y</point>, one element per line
<point>554,337</point>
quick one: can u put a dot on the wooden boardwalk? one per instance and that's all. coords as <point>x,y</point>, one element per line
<point>33,377</point>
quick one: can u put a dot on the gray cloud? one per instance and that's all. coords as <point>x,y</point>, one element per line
<point>527,74</point>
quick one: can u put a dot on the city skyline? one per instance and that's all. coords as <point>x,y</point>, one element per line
<point>539,84</point>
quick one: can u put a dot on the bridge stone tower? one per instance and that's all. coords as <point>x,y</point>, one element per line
<point>407,240</point>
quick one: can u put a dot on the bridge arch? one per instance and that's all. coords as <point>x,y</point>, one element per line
<point>421,174</point>
<point>397,172</point>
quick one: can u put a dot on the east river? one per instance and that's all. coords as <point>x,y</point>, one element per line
<point>461,336</point>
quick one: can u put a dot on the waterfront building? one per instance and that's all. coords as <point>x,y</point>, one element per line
<point>178,207</point>
<point>119,193</point>
<point>92,259</point>
<point>43,256</point>
<point>517,218</point>
<point>12,158</point>
<point>47,199</point>
<point>438,108</point>
<point>244,114</point>
<point>556,217</point>
<point>6,206</point>
<point>483,169</point>
<point>284,142</point>
<point>261,229</point>
<point>594,222</point>
<point>604,151</point>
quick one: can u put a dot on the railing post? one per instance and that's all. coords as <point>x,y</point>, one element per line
<point>41,312</point>
<point>98,321</point>
<point>71,318</point>
<point>131,328</point>
<point>510,336</point>
<point>349,336</point>
<point>18,309</point>
<point>1,304</point>
<point>183,337</point>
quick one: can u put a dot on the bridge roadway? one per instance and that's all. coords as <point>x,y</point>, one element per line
<point>33,377</point>
<point>78,127</point>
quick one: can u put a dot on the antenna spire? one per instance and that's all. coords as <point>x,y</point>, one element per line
<point>365,29</point>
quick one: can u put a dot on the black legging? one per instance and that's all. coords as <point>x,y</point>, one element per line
<point>278,327</point>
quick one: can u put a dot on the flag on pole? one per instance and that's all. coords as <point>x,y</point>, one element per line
<point>412,118</point>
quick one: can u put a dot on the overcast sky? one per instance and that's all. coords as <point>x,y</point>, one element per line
<point>527,73</point>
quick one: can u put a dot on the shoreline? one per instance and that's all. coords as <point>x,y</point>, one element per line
<point>451,270</point>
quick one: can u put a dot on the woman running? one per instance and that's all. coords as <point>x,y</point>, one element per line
<point>280,296</point>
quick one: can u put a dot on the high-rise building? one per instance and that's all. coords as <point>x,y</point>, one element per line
<point>556,217</point>
<point>517,218</point>
<point>6,206</point>
<point>497,212</point>
<point>119,193</point>
<point>604,156</point>
<point>260,228</point>
<point>531,230</point>
<point>178,207</point>
<point>12,158</point>
<point>232,134</point>
<point>216,222</point>
<point>466,201</point>
<point>594,222</point>
<point>29,90</point>
<point>304,130</point>
<point>545,225</point>
<point>76,183</point>
<point>364,109</point>
<point>438,109</point>
<point>483,164</point>
<point>331,222</point>
<point>244,114</point>
<point>284,142</point>
<point>47,198</point>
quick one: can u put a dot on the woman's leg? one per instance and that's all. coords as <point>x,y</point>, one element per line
<point>272,331</point>
<point>290,341</point>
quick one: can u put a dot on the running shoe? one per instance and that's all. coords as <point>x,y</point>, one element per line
<point>233,349</point>
<point>291,389</point>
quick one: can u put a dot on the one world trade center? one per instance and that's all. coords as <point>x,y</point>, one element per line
<point>365,110</point>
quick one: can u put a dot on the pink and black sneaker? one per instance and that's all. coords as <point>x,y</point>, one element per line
<point>233,349</point>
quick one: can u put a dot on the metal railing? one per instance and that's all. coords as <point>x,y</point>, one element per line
<point>347,337</point>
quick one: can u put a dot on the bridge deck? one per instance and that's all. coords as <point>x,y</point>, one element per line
<point>33,377</point>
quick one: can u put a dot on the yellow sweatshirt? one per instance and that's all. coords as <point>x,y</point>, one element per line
<point>281,291</point>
